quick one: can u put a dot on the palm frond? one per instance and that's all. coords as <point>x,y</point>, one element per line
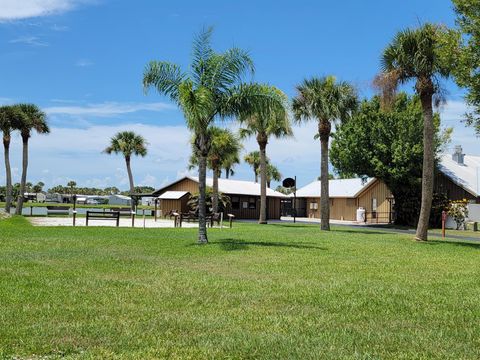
<point>165,77</point>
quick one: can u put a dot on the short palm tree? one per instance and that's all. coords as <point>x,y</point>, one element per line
<point>212,89</point>
<point>224,146</point>
<point>273,174</point>
<point>72,184</point>
<point>229,164</point>
<point>253,159</point>
<point>264,124</point>
<point>128,143</point>
<point>9,116</point>
<point>32,119</point>
<point>416,54</point>
<point>324,100</point>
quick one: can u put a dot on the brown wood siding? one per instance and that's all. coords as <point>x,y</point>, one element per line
<point>178,205</point>
<point>346,208</point>
<point>379,191</point>
<point>273,204</point>
<point>444,185</point>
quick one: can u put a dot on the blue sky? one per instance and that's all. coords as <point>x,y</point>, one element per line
<point>82,62</point>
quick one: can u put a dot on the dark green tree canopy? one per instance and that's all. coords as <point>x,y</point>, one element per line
<point>467,69</point>
<point>387,145</point>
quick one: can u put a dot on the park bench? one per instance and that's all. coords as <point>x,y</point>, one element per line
<point>193,216</point>
<point>58,210</point>
<point>100,215</point>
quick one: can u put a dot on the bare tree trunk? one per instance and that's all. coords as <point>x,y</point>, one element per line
<point>8,173</point>
<point>262,142</point>
<point>324,128</point>
<point>202,211</point>
<point>130,180</point>
<point>23,180</point>
<point>216,175</point>
<point>428,168</point>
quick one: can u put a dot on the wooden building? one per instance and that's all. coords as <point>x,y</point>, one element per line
<point>458,176</point>
<point>244,197</point>
<point>346,196</point>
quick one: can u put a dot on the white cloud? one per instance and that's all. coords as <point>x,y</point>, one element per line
<point>106,109</point>
<point>83,63</point>
<point>29,40</point>
<point>24,9</point>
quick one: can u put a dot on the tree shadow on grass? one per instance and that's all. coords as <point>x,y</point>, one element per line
<point>471,245</point>
<point>235,244</point>
<point>361,231</point>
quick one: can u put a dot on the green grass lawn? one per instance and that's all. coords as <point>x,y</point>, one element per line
<point>255,292</point>
<point>467,233</point>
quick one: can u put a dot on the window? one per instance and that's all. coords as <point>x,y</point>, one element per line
<point>252,203</point>
<point>235,202</point>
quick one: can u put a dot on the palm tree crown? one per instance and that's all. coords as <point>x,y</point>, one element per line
<point>127,143</point>
<point>32,119</point>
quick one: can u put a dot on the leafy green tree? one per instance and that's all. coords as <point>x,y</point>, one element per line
<point>38,187</point>
<point>387,145</point>
<point>325,101</point>
<point>253,159</point>
<point>212,89</point>
<point>224,146</point>
<point>264,125</point>
<point>10,116</point>
<point>416,55</point>
<point>128,143</point>
<point>223,201</point>
<point>468,56</point>
<point>144,189</point>
<point>229,164</point>
<point>32,119</point>
<point>72,186</point>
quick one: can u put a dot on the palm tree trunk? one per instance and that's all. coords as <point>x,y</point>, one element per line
<point>262,142</point>
<point>255,170</point>
<point>8,173</point>
<point>227,173</point>
<point>23,180</point>
<point>324,128</point>
<point>130,181</point>
<point>216,175</point>
<point>428,168</point>
<point>202,211</point>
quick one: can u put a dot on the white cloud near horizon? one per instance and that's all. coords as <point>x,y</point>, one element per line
<point>106,109</point>
<point>83,63</point>
<point>12,10</point>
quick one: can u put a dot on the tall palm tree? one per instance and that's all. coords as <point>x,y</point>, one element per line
<point>253,159</point>
<point>416,54</point>
<point>264,124</point>
<point>224,146</point>
<point>9,116</point>
<point>212,89</point>
<point>326,101</point>
<point>33,119</point>
<point>128,143</point>
<point>273,174</point>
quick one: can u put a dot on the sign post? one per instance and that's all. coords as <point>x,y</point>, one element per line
<point>74,212</point>
<point>444,220</point>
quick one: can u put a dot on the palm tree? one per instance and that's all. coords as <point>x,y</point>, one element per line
<point>212,89</point>
<point>264,124</point>
<point>253,159</point>
<point>32,119</point>
<point>224,146</point>
<point>415,54</point>
<point>128,143</point>
<point>325,100</point>
<point>229,163</point>
<point>273,174</point>
<point>9,116</point>
<point>72,184</point>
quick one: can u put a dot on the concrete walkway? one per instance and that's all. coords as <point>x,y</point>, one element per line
<point>124,222</point>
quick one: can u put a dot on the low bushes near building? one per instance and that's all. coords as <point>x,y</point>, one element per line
<point>458,211</point>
